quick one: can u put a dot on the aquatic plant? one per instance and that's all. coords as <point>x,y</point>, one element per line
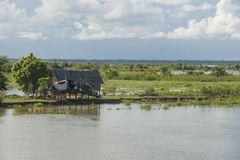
<point>146,107</point>
<point>38,105</point>
<point>127,102</point>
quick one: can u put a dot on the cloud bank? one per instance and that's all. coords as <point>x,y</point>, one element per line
<point>106,19</point>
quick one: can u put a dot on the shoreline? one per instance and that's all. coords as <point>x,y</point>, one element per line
<point>104,101</point>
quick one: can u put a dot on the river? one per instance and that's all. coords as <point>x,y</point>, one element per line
<point>119,133</point>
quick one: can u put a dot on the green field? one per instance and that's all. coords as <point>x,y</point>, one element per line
<point>163,88</point>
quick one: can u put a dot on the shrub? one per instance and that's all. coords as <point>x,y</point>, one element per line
<point>150,91</point>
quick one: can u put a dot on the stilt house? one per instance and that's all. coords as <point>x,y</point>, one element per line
<point>84,82</point>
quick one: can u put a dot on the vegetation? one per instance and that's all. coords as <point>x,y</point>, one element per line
<point>146,107</point>
<point>3,79</point>
<point>218,81</point>
<point>27,71</point>
<point>43,86</point>
<point>3,69</point>
<point>229,101</point>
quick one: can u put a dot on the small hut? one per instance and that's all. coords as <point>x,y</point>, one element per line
<point>83,82</point>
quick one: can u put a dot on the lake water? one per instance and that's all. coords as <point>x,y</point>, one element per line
<point>178,133</point>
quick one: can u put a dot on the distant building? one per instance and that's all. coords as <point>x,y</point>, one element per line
<point>85,82</point>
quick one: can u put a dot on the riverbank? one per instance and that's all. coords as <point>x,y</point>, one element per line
<point>170,101</point>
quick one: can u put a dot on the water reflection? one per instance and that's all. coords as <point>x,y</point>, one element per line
<point>90,111</point>
<point>2,112</point>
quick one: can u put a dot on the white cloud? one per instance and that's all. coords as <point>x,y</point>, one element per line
<point>11,18</point>
<point>31,35</point>
<point>118,9</point>
<point>101,19</point>
<point>170,2</point>
<point>192,8</point>
<point>225,23</point>
<point>95,31</point>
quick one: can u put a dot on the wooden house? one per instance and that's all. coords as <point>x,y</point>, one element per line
<point>84,82</point>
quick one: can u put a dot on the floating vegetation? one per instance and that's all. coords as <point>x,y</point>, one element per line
<point>127,102</point>
<point>38,105</point>
<point>117,109</point>
<point>72,110</point>
<point>166,108</point>
<point>146,107</point>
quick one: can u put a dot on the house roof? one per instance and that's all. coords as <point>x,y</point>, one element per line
<point>90,76</point>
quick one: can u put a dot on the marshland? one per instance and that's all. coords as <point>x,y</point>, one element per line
<point>146,110</point>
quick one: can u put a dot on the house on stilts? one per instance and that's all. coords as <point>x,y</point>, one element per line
<point>79,83</point>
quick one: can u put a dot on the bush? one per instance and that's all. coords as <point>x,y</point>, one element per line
<point>150,92</point>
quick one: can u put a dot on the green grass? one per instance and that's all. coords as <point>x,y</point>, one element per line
<point>229,101</point>
<point>162,88</point>
<point>18,99</point>
<point>164,84</point>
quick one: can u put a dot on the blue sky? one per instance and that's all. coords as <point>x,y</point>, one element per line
<point>121,29</point>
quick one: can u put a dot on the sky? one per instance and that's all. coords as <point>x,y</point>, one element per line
<point>121,29</point>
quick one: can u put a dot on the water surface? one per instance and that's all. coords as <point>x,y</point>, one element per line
<point>180,133</point>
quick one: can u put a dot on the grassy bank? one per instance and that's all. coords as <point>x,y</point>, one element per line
<point>18,99</point>
<point>177,93</point>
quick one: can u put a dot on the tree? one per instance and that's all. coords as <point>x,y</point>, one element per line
<point>3,63</point>
<point>3,82</point>
<point>27,71</point>
<point>43,86</point>
<point>3,79</point>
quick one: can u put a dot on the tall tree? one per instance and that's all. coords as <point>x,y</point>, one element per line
<point>27,71</point>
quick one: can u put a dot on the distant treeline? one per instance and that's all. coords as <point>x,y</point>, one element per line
<point>129,61</point>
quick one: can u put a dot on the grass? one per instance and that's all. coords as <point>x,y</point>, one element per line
<point>162,88</point>
<point>229,101</point>
<point>22,99</point>
<point>127,102</point>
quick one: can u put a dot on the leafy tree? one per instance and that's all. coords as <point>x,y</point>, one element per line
<point>43,86</point>
<point>3,79</point>
<point>3,63</point>
<point>27,71</point>
<point>3,82</point>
